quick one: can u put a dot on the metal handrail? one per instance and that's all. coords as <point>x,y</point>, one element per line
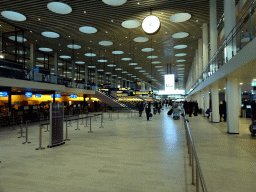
<point>193,157</point>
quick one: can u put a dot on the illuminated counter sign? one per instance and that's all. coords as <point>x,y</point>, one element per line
<point>57,95</point>
<point>140,93</point>
<point>28,94</point>
<point>169,83</point>
<point>3,94</point>
<point>73,96</point>
<point>38,95</point>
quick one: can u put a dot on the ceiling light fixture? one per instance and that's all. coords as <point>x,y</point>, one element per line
<point>151,24</point>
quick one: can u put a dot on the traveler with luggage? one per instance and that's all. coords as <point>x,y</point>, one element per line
<point>140,108</point>
<point>148,111</point>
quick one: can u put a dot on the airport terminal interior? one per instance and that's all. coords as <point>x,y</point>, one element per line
<point>127,96</point>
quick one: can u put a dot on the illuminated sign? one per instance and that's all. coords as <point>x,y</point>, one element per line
<point>150,92</point>
<point>28,94</point>
<point>38,95</point>
<point>57,95</point>
<point>73,96</point>
<point>3,94</point>
<point>169,83</point>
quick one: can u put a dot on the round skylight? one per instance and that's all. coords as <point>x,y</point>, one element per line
<point>180,54</point>
<point>142,71</point>
<point>180,35</point>
<point>114,2</point>
<point>140,39</point>
<point>50,34</point>
<point>152,57</point>
<point>117,52</point>
<point>181,60</point>
<point>45,49</point>
<point>158,66</point>
<point>130,24</point>
<point>102,61</point>
<point>80,62</point>
<point>133,63</point>
<point>180,17</point>
<point>108,73</point>
<point>114,75</point>
<point>180,65</point>
<point>60,8</point>
<point>137,67</point>
<point>19,52</point>
<point>90,54</point>
<point>60,63</point>
<point>74,46</point>
<point>118,69</point>
<point>105,43</point>
<point>65,57</point>
<point>19,39</point>
<point>91,67</point>
<point>147,49</point>
<point>42,59</point>
<point>180,46</point>
<point>126,59</point>
<point>124,72</point>
<point>88,29</point>
<point>111,65</point>
<point>156,62</point>
<point>100,69</point>
<point>14,16</point>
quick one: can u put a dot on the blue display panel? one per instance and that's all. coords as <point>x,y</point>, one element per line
<point>73,96</point>
<point>28,94</point>
<point>3,94</point>
<point>57,95</point>
<point>38,95</point>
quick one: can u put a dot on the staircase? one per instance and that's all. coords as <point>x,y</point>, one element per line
<point>109,100</point>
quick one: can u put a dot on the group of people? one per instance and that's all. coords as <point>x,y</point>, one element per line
<point>147,106</point>
<point>191,108</point>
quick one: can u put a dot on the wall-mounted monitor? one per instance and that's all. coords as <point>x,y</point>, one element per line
<point>57,95</point>
<point>73,96</point>
<point>248,106</point>
<point>3,94</point>
<point>28,94</point>
<point>38,95</point>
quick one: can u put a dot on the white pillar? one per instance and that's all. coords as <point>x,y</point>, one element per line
<point>86,75</point>
<point>196,64</point>
<point>73,71</point>
<point>205,44</point>
<point>201,100</point>
<point>206,100</point>
<point>200,56</point>
<point>96,79</point>
<point>213,33</point>
<point>56,63</point>
<point>32,56</point>
<point>229,23</point>
<point>215,103</point>
<point>240,100</point>
<point>232,105</point>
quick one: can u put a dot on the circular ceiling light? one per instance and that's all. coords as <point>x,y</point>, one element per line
<point>140,39</point>
<point>152,57</point>
<point>130,24</point>
<point>42,59</point>
<point>180,69</point>
<point>111,65</point>
<point>142,71</point>
<point>158,66</point>
<point>133,76</point>
<point>118,69</point>
<point>91,67</point>
<point>114,2</point>
<point>100,69</point>
<point>180,54</point>
<point>151,24</point>
<point>160,70</point>
<point>129,74</point>
<point>105,43</point>
<point>156,62</point>
<point>39,65</point>
<point>60,63</point>
<point>145,73</point>
<point>90,54</point>
<point>102,61</point>
<point>181,60</point>
<point>180,17</point>
<point>88,29</point>
<point>180,35</point>
<point>65,57</point>
<point>45,49</point>
<point>180,65</point>
<point>117,52</point>
<point>66,72</point>
<point>108,73</point>
<point>50,34</point>
<point>74,46</point>
<point>124,72</point>
<point>80,62</point>
<point>60,8</point>
<point>20,39</point>
<point>180,46</point>
<point>114,75</point>
<point>14,16</point>
<point>126,59</point>
<point>19,52</point>
<point>147,49</point>
<point>137,67</point>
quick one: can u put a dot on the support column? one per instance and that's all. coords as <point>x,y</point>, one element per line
<point>232,105</point>
<point>215,103</point>
<point>196,64</point>
<point>125,83</point>
<point>73,71</point>
<point>96,79</point>
<point>1,42</point>
<point>111,81</point>
<point>229,23</point>
<point>86,75</point>
<point>200,56</point>
<point>206,100</point>
<point>56,63</point>
<point>104,78</point>
<point>205,47</point>
<point>213,33</point>
<point>32,56</point>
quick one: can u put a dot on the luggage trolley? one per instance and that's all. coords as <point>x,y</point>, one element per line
<point>176,113</point>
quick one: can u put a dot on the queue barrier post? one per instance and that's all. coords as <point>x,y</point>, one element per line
<point>90,125</point>
<point>77,123</point>
<point>67,131</point>
<point>40,139</point>
<point>21,121</point>
<point>101,121</point>
<point>47,130</point>
<point>26,134</point>
<point>86,121</point>
<point>111,116</point>
<point>21,131</point>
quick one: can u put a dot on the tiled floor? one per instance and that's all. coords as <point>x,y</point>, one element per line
<point>228,161</point>
<point>127,155</point>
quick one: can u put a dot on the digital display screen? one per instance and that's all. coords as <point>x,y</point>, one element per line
<point>28,94</point>
<point>38,95</point>
<point>248,106</point>
<point>73,96</point>
<point>3,94</point>
<point>57,95</point>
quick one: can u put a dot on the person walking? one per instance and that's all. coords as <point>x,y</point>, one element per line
<point>147,110</point>
<point>140,107</point>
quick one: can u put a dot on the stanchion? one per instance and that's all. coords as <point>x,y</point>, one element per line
<point>82,120</point>
<point>47,130</point>
<point>102,117</point>
<point>86,121</point>
<point>117,115</point>
<point>40,139</point>
<point>101,120</point>
<point>21,122</point>
<point>67,131</point>
<point>69,120</point>
<point>21,131</point>
<point>128,115</point>
<point>111,117</point>
<point>90,126</point>
<point>109,114</point>
<point>26,134</point>
<point>77,123</point>
<point>94,119</point>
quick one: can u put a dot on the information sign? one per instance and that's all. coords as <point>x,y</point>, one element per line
<point>3,94</point>
<point>28,94</point>
<point>73,96</point>
<point>57,95</point>
<point>38,95</point>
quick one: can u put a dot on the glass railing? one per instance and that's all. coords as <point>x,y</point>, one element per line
<point>242,34</point>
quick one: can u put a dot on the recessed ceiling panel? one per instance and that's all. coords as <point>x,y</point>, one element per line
<point>180,17</point>
<point>14,16</point>
<point>60,8</point>
<point>130,24</point>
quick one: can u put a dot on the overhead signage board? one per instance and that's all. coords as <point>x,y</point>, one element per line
<point>57,95</point>
<point>73,96</point>
<point>28,94</point>
<point>169,83</point>
<point>38,95</point>
<point>3,94</point>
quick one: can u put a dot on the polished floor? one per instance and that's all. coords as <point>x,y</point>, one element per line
<point>130,154</point>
